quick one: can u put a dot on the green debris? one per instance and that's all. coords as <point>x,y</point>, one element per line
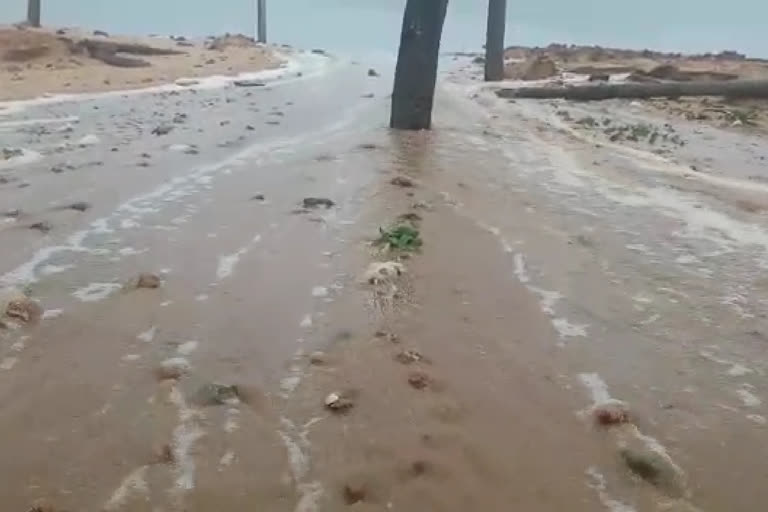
<point>402,237</point>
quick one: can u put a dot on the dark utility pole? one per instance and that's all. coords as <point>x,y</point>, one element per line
<point>262,20</point>
<point>416,71</point>
<point>494,40</point>
<point>33,12</point>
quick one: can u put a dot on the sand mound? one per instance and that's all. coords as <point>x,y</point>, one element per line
<point>536,68</point>
<point>21,45</point>
<point>231,41</point>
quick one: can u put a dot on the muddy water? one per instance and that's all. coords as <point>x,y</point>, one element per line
<point>554,275</point>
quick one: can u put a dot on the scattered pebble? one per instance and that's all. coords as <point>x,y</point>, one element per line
<point>409,357</point>
<point>217,394</point>
<point>316,202</point>
<point>402,181</point>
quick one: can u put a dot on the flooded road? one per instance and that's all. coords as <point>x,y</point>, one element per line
<point>558,274</point>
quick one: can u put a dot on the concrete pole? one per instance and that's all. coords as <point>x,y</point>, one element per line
<point>494,40</point>
<point>416,71</point>
<point>261,7</point>
<point>33,12</point>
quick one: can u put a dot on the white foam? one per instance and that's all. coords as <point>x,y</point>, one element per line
<point>4,125</point>
<point>148,335</point>
<point>598,484</point>
<point>96,291</point>
<point>520,271</point>
<point>8,363</point>
<point>232,423</point>
<point>306,322</point>
<point>226,460</point>
<point>319,291</point>
<point>52,313</point>
<point>135,482</point>
<point>48,270</point>
<point>748,398</point>
<point>568,330</point>
<point>128,358</point>
<point>596,386</point>
<point>187,347</point>
<point>202,297</point>
<point>185,435</point>
<point>227,263</point>
<point>89,140</point>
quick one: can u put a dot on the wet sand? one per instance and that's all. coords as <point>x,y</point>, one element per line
<point>558,271</point>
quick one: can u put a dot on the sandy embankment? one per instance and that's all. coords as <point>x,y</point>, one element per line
<point>34,62</point>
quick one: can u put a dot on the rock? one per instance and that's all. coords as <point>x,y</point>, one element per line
<point>537,68</point>
<point>316,202</point>
<point>213,393</point>
<point>179,118</point>
<point>43,226</point>
<point>258,197</point>
<point>12,214</point>
<point>250,127</point>
<point>319,51</point>
<point>337,402</point>
<point>100,33</point>
<point>79,206</point>
<point>147,280</point>
<point>173,368</point>
<point>599,77</point>
<point>373,73</point>
<point>402,181</point>
<point>25,309</point>
<point>419,380</point>
<point>8,153</point>
<point>409,357</point>
<point>379,272</point>
<point>611,412</point>
<point>654,467</point>
<point>88,140</point>
<point>317,358</point>
<point>163,129</point>
<point>249,83</point>
<point>368,146</point>
<point>368,96</point>
<point>59,168</point>
<point>478,60</point>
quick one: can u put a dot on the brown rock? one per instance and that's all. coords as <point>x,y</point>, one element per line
<point>402,181</point>
<point>419,380</point>
<point>612,412</point>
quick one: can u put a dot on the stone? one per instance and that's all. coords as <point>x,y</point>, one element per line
<point>258,197</point>
<point>42,226</point>
<point>79,206</point>
<point>611,412</point>
<point>599,77</point>
<point>24,309</point>
<point>148,280</point>
<point>317,358</point>
<point>373,73</point>
<point>249,83</point>
<point>402,181</point>
<point>214,393</point>
<point>654,467</point>
<point>379,272</point>
<point>337,402</point>
<point>316,202</point>
<point>409,357</point>
<point>173,368</point>
<point>419,380</point>
<point>100,33</point>
<point>163,129</point>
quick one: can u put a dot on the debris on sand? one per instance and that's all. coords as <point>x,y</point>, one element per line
<point>163,129</point>
<point>214,393</point>
<point>611,412</point>
<point>409,357</point>
<point>316,202</point>
<point>338,402</point>
<point>402,181</point>
<point>14,304</point>
<point>148,280</point>
<point>43,226</point>
<point>249,83</point>
<point>164,455</point>
<point>79,206</point>
<point>379,272</point>
<point>419,380</point>
<point>655,467</point>
<point>373,73</point>
<point>354,492</point>
<point>258,197</point>
<point>317,358</point>
<point>173,368</point>
<point>401,238</point>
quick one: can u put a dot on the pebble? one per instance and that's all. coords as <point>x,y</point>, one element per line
<point>373,73</point>
<point>409,357</point>
<point>402,181</point>
<point>611,412</point>
<point>42,226</point>
<point>419,380</point>
<point>79,206</point>
<point>214,393</point>
<point>338,403</point>
<point>317,358</point>
<point>315,202</point>
<point>163,129</point>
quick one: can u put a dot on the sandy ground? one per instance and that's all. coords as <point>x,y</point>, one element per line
<point>37,62</point>
<point>561,275</point>
<point>578,63</point>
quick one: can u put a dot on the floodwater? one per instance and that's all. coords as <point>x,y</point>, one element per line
<point>557,273</point>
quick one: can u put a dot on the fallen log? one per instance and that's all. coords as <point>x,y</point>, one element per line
<point>730,89</point>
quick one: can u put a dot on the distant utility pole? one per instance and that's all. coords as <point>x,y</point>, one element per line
<point>494,40</point>
<point>416,71</point>
<point>33,12</point>
<point>261,8</point>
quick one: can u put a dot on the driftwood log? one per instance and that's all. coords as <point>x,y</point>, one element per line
<point>109,52</point>
<point>730,89</point>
